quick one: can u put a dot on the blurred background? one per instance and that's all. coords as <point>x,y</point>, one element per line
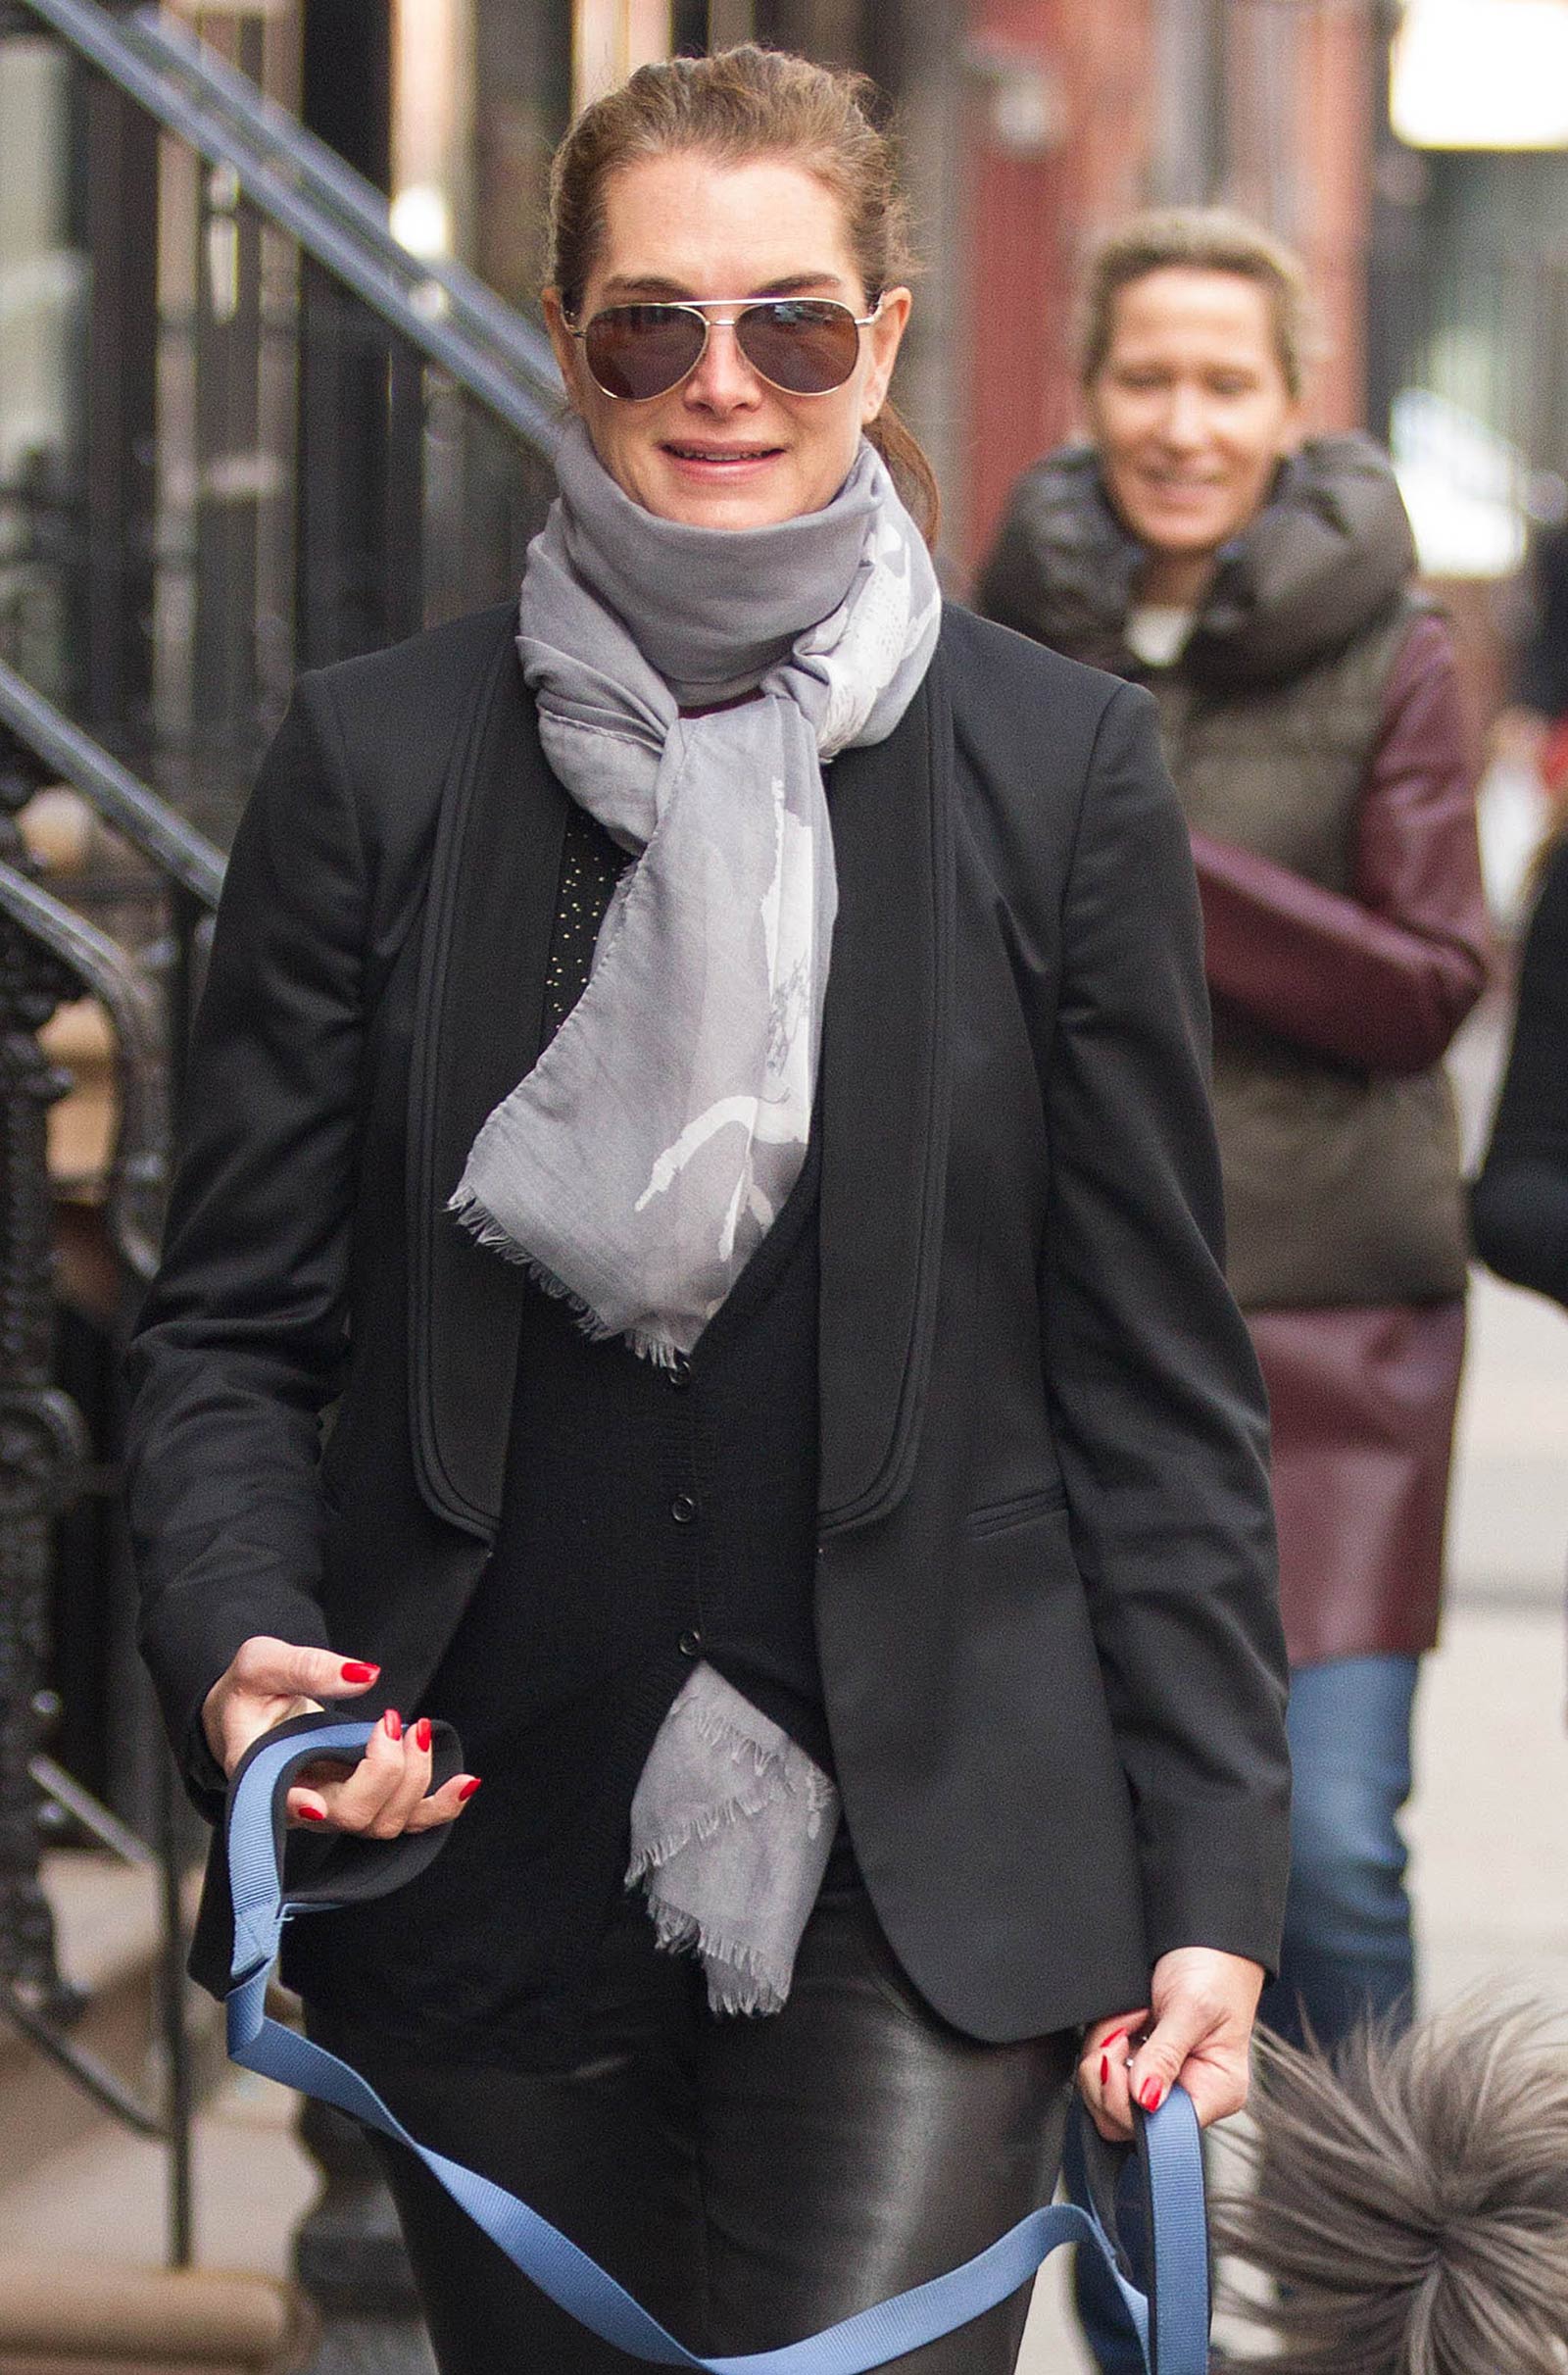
<point>272,391</point>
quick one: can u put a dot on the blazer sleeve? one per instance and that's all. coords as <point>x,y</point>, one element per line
<point>1519,1205</point>
<point>241,1341</point>
<point>1157,1398</point>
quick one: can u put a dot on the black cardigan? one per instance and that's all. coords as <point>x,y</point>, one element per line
<point>1519,1205</point>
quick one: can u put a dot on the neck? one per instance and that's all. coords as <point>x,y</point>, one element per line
<point>1176,581</point>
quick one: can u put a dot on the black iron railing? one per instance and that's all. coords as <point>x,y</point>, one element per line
<point>48,955</point>
<point>303,188</point>
<point>296,440</point>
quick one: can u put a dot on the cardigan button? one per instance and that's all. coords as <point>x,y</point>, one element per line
<point>683,1508</point>
<point>690,1644</point>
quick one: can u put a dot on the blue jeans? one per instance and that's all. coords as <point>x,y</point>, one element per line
<point>1347,1945</point>
<point>1347,1948</point>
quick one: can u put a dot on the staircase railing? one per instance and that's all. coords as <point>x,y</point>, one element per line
<point>317,441</point>
<point>299,184</point>
<point>48,955</point>
<point>303,439</point>
<point>66,755</point>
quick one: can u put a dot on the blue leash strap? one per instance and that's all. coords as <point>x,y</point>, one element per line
<point>1172,2326</point>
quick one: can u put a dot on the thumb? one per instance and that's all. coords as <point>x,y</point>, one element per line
<point>285,1669</point>
<point>1163,2054</point>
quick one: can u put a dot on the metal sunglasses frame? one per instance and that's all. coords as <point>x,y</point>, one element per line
<point>700,307</point>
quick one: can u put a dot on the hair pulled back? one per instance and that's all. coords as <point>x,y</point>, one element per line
<point>1204,239</point>
<point>736,106</point>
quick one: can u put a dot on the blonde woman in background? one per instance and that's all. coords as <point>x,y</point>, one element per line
<point>1258,580</point>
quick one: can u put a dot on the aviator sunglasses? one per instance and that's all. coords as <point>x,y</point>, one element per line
<point>803,346</point>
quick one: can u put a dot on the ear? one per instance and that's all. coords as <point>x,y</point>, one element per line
<point>884,339</point>
<point>569,353</point>
<point>1294,427</point>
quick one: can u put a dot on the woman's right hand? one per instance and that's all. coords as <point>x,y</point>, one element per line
<point>381,1797</point>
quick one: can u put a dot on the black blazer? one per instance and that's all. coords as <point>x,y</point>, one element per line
<point>1046,1608</point>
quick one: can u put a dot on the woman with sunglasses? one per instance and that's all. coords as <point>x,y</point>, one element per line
<point>703,1074</point>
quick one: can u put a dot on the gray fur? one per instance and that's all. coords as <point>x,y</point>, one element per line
<point>1412,2198</point>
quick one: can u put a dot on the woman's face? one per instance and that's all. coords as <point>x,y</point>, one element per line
<point>1191,409</point>
<point>725,449</point>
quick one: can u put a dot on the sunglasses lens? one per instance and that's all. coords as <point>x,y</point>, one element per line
<point>806,346</point>
<point>638,351</point>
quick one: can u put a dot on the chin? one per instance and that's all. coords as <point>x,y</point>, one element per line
<point>689,506</point>
<point>723,513</point>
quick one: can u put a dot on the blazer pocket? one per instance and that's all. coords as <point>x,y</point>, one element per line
<point>1001,1517</point>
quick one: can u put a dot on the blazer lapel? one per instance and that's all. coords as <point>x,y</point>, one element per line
<point>494,882</point>
<point>886,1097</point>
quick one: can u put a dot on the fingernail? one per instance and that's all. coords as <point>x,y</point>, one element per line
<point>356,1671</point>
<point>1109,2042</point>
<point>1104,2070</point>
<point>311,1814</point>
<point>392,1722</point>
<point>1152,2096</point>
<point>467,1789</point>
<point>422,1735</point>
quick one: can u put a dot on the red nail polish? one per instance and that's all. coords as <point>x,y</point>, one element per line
<point>356,1671</point>
<point>311,1814</point>
<point>1152,2096</point>
<point>422,1735</point>
<point>1109,2042</point>
<point>468,1790</point>
<point>1104,2070</point>
<point>393,1723</point>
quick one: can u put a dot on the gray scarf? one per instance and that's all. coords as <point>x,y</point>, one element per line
<point>641,1162</point>
<point>731,1829</point>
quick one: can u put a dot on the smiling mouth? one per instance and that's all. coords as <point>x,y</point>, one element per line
<point>1165,483</point>
<point>720,456</point>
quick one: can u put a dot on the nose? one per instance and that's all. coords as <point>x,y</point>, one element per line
<point>1186,422</point>
<point>723,381</point>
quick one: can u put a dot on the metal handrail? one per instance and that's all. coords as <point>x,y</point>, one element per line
<point>117,796</point>
<point>277,167</point>
<point>76,957</point>
<point>284,140</point>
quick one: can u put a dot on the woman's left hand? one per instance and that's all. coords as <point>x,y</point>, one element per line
<point>1197,2027</point>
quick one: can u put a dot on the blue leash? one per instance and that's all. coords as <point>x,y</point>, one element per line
<point>1171,2322</point>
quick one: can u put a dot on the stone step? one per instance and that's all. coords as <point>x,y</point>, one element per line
<point>61,2317</point>
<point>107,1926</point>
<point>83,2236</point>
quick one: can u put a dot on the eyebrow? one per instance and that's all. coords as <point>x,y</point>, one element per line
<point>675,292</point>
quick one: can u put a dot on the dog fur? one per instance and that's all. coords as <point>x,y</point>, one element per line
<point>1409,2199</point>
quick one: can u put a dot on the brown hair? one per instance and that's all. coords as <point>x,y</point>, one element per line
<point>739,105</point>
<point>1204,239</point>
<point>1411,2197</point>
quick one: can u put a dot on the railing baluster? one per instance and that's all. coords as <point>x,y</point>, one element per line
<point>42,1441</point>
